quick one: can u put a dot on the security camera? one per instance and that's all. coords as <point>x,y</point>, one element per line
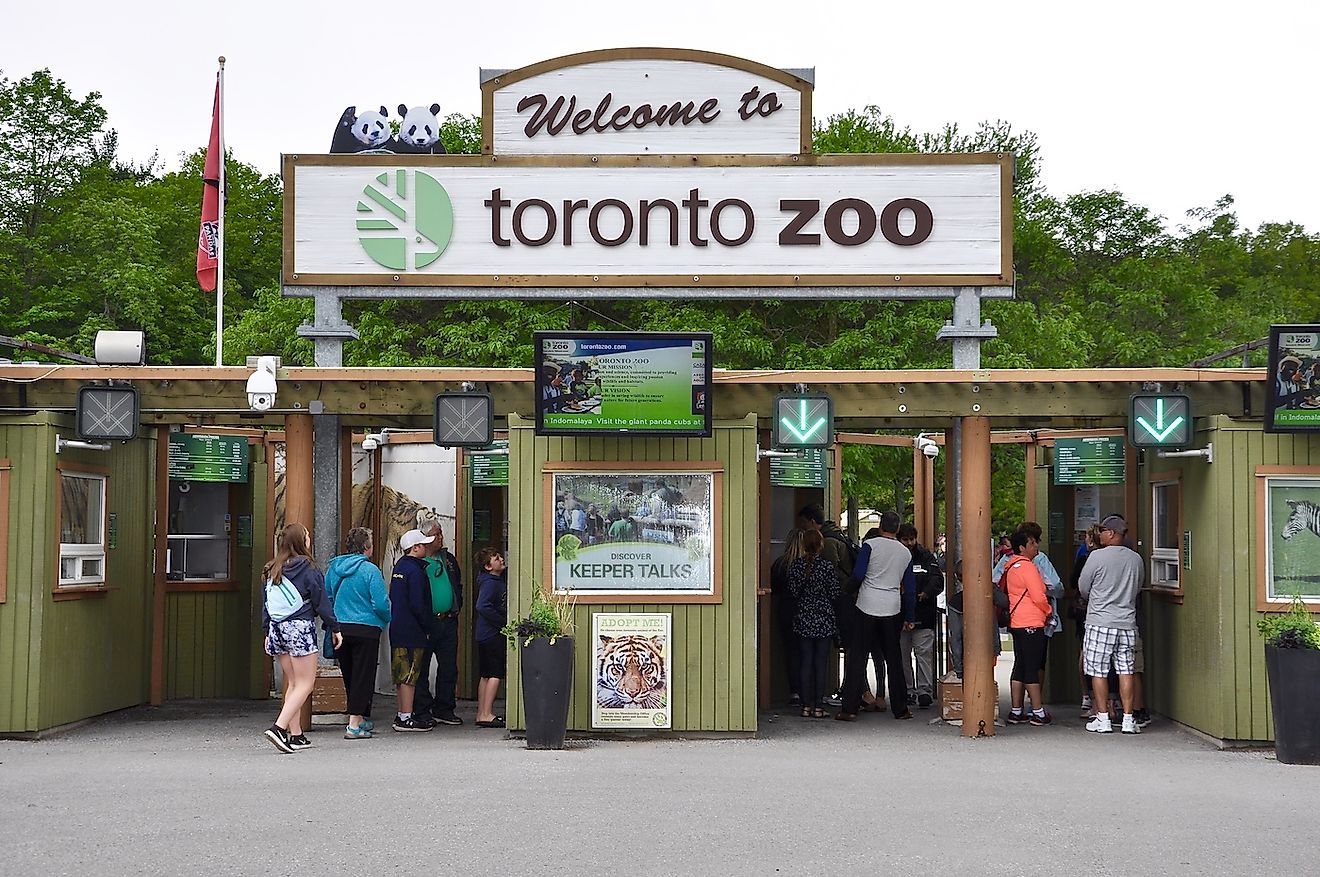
<point>373,440</point>
<point>261,386</point>
<point>927,447</point>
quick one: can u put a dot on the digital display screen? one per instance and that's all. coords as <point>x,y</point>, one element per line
<point>633,383</point>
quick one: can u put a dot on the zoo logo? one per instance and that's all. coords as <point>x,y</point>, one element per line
<point>412,213</point>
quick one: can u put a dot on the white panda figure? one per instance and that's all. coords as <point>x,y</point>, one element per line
<point>419,132</point>
<point>372,131</point>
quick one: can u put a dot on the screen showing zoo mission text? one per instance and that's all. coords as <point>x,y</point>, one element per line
<point>636,383</point>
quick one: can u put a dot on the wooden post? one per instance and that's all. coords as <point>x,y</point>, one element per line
<point>158,596</point>
<point>1029,449</point>
<point>298,498</point>
<point>978,612</point>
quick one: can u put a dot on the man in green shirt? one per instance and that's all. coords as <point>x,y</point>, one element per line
<point>446,580</point>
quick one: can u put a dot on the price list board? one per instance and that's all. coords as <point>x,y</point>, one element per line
<point>806,468</point>
<point>490,469</point>
<point>209,458</point>
<point>1091,460</point>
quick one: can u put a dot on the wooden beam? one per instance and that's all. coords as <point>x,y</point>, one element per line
<point>161,549</point>
<point>299,504</point>
<point>978,611</point>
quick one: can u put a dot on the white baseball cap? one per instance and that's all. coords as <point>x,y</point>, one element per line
<point>414,537</point>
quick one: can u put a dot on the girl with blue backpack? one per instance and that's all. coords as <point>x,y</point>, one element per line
<point>294,596</point>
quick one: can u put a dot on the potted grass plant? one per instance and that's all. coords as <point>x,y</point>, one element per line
<point>1292,663</point>
<point>544,638</point>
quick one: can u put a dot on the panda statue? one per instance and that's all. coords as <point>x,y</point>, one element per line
<point>419,132</point>
<point>365,132</point>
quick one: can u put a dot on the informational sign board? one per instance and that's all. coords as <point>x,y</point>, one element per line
<point>490,468</point>
<point>1090,460</point>
<point>632,534</point>
<point>635,383</point>
<point>632,670</point>
<point>208,458</point>
<point>646,101</point>
<point>794,223</point>
<point>1086,506</point>
<point>1292,401</point>
<point>806,468</point>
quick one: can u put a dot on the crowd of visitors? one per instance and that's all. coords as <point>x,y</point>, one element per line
<point>419,609</point>
<point>879,604</point>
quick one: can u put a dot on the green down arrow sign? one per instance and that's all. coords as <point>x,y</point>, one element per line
<point>1160,420</point>
<point>803,421</point>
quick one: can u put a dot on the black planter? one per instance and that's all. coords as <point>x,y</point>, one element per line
<point>1294,676</point>
<point>547,687</point>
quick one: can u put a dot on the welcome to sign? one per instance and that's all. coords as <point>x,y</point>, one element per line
<point>782,222</point>
<point>646,101</point>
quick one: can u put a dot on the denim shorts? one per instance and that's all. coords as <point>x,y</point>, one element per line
<point>294,636</point>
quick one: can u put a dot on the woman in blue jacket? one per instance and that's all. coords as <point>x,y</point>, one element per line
<point>362,605</point>
<point>295,595</point>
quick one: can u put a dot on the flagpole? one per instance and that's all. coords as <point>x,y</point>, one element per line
<point>220,248</point>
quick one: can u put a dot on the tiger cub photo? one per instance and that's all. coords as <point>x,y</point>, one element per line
<point>632,673</point>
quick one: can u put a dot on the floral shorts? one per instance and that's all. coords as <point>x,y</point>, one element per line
<point>295,636</point>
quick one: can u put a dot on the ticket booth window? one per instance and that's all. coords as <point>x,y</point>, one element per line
<point>199,541</point>
<point>82,529</point>
<point>1166,527</point>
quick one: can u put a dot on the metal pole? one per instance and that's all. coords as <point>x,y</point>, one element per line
<point>220,235</point>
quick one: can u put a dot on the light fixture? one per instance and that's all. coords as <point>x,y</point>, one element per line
<point>120,348</point>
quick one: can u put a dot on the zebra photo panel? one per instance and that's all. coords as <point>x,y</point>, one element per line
<point>631,663</point>
<point>1292,559</point>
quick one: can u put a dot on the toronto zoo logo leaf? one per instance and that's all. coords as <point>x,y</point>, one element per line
<point>402,214</point>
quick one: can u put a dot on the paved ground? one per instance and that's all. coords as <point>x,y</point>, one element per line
<point>195,788</point>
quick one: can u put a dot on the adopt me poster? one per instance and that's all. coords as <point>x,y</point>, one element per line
<point>632,661</point>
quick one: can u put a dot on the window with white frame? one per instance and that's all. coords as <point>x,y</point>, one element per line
<point>82,529</point>
<point>1166,530</point>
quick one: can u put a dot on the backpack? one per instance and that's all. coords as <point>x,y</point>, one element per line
<point>282,599</point>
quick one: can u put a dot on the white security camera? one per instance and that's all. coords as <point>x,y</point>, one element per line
<point>373,440</point>
<point>261,386</point>
<point>927,447</point>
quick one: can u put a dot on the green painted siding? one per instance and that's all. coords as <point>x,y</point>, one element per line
<point>213,640</point>
<point>1205,660</point>
<point>63,661</point>
<point>28,445</point>
<point>714,651</point>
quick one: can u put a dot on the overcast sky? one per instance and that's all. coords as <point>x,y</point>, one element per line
<point>1172,103</point>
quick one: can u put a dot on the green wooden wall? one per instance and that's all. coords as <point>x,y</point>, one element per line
<point>714,651</point>
<point>1205,660</point>
<point>213,640</point>
<point>72,659</point>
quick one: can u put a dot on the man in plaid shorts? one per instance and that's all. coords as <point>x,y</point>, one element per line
<point>1110,583</point>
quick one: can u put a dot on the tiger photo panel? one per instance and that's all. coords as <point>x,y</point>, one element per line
<point>631,669</point>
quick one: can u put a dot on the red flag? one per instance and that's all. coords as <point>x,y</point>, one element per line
<point>208,241</point>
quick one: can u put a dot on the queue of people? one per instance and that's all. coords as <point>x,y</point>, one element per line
<point>420,609</point>
<point>878,602</point>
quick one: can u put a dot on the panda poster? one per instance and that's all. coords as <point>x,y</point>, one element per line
<point>632,660</point>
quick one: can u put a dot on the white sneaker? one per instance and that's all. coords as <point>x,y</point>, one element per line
<point>1101,724</point>
<point>1130,725</point>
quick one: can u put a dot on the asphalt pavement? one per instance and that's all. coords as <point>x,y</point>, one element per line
<point>196,788</point>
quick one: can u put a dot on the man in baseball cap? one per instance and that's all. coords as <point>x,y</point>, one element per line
<point>410,602</point>
<point>1110,582</point>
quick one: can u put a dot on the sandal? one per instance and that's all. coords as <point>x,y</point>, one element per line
<point>819,713</point>
<point>497,722</point>
<point>806,712</point>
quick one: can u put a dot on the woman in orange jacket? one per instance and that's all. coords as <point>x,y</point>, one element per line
<point>1029,608</point>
